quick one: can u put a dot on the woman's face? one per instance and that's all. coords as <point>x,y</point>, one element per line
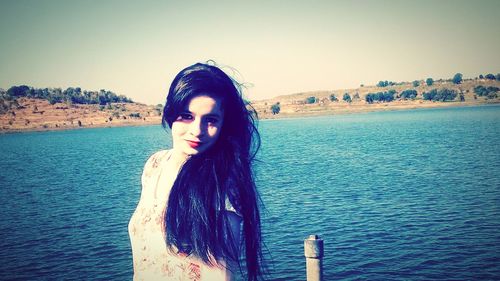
<point>198,125</point>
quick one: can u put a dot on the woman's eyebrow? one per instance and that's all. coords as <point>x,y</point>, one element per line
<point>206,115</point>
<point>214,115</point>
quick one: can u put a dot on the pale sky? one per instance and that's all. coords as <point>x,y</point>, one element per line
<point>136,48</point>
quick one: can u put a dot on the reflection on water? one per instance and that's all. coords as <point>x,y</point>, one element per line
<point>395,195</point>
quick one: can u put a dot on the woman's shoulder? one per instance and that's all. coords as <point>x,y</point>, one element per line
<point>153,162</point>
<point>155,158</point>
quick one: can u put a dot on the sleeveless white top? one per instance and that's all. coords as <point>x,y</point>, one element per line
<point>152,260</point>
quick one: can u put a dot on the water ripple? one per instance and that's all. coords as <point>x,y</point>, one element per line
<point>395,195</point>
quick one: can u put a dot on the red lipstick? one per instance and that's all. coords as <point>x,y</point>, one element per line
<point>193,144</point>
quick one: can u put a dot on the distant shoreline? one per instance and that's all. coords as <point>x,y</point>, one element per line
<point>115,125</point>
<point>28,114</point>
<point>377,108</point>
<point>346,111</point>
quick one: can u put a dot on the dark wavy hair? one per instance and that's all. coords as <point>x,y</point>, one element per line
<point>196,219</point>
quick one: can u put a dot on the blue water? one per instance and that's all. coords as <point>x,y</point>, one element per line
<point>406,195</point>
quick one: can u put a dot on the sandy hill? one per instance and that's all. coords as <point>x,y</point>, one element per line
<point>39,114</point>
<point>297,104</point>
<point>24,114</point>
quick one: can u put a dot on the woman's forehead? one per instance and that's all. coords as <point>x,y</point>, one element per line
<point>205,105</point>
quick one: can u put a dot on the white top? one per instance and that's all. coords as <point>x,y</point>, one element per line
<point>152,260</point>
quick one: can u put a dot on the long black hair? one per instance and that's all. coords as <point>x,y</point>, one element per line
<point>196,221</point>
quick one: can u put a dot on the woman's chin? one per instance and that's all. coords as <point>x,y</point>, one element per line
<point>191,151</point>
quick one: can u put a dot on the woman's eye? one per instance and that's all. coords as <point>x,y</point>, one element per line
<point>184,116</point>
<point>212,121</point>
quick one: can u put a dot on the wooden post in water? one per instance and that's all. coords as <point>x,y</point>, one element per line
<point>313,250</point>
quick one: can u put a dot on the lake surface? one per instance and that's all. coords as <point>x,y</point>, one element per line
<point>403,195</point>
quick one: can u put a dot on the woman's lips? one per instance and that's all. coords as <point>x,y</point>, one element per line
<point>193,144</point>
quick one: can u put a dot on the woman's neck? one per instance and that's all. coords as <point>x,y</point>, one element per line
<point>178,158</point>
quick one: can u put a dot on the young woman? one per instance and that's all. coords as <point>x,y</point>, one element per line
<point>198,215</point>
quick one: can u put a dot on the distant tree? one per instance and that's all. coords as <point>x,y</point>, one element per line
<point>311,100</point>
<point>385,83</point>
<point>457,79</point>
<point>333,98</point>
<point>480,90</point>
<point>74,95</point>
<point>429,95</point>
<point>490,76</point>
<point>275,108</point>
<point>492,95</point>
<point>69,96</point>
<point>481,76</point>
<point>347,98</point>
<point>18,91</point>
<point>486,91</point>
<point>382,84</point>
<point>158,108</point>
<point>409,94</point>
<point>55,95</point>
<point>389,95</point>
<point>102,99</point>
<point>123,98</point>
<point>416,83</point>
<point>462,97</point>
<point>369,98</point>
<point>498,76</point>
<point>440,95</point>
<point>356,96</point>
<point>361,85</point>
<point>429,81</point>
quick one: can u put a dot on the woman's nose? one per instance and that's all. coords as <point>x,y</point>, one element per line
<point>196,128</point>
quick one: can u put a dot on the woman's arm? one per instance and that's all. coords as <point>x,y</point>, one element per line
<point>226,269</point>
<point>235,222</point>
